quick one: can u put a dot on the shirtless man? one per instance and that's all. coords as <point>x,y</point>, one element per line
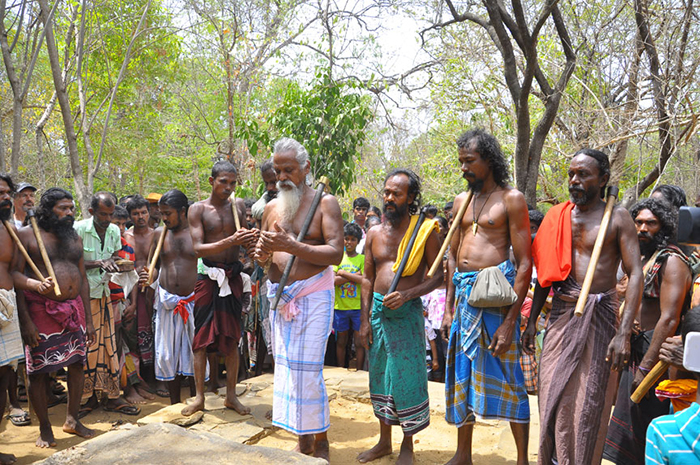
<point>483,375</point>
<point>174,300</point>
<point>579,352</point>
<point>398,381</point>
<point>54,345</point>
<point>217,313</point>
<point>303,319</point>
<point>665,297</point>
<point>138,331</point>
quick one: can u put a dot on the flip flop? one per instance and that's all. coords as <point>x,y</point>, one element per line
<point>126,409</point>
<point>20,419</point>
<point>84,411</point>
<point>62,399</point>
<point>163,393</point>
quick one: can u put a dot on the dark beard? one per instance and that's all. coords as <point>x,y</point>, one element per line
<point>585,195</point>
<point>5,210</point>
<point>63,228</point>
<point>476,185</point>
<point>395,215</point>
<point>647,248</point>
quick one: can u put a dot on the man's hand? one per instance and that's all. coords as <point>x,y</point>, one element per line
<point>277,240</point>
<point>446,326</point>
<point>365,339</point>
<point>90,333</point>
<point>618,352</point>
<point>143,276</point>
<point>109,265</point>
<point>394,300</point>
<point>129,312</point>
<point>671,352</point>
<point>436,365</point>
<point>528,340</point>
<point>30,333</point>
<point>244,237</point>
<point>502,338</point>
<point>43,287</point>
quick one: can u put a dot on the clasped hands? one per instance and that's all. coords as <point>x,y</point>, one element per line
<point>276,240</point>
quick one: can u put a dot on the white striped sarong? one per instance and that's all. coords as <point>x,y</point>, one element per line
<point>300,402</point>
<point>173,337</point>
<point>11,347</point>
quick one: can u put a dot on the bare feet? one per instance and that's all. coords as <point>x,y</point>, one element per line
<point>143,393</point>
<point>458,459</point>
<point>195,406</point>
<point>72,426</point>
<point>305,445</point>
<point>133,397</point>
<point>236,405</point>
<point>7,459</point>
<point>322,450</point>
<point>405,455</point>
<point>380,450</point>
<point>46,438</point>
<point>268,415</point>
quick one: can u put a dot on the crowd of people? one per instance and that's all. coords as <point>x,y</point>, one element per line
<point>125,309</point>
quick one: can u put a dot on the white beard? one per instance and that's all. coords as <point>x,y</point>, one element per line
<point>289,199</point>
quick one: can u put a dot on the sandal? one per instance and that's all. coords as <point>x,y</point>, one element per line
<point>126,409</point>
<point>163,393</point>
<point>20,419</point>
<point>22,394</point>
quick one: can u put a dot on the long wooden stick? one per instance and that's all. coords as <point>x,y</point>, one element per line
<point>234,208</point>
<point>322,183</point>
<point>597,248</point>
<point>649,380</point>
<point>44,254</point>
<point>21,248</point>
<point>456,221</point>
<point>406,254</point>
<point>154,260</point>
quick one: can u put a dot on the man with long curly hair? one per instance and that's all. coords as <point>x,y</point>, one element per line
<point>483,377</point>
<point>665,298</point>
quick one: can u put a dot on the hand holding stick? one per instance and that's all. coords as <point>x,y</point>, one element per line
<point>456,221</point>
<point>597,248</point>
<point>21,248</point>
<point>154,260</point>
<point>44,254</point>
<point>322,183</point>
<point>649,380</point>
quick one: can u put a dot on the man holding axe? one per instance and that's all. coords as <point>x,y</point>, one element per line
<point>219,287</point>
<point>392,322</point>
<point>302,310</point>
<point>57,327</point>
<point>575,396</point>
<point>666,295</point>
<point>483,377</point>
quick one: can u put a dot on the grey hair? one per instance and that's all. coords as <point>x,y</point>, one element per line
<point>287,144</point>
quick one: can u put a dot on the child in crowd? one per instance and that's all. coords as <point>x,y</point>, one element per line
<point>434,310</point>
<point>348,280</point>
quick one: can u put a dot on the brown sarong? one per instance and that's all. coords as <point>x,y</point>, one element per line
<point>217,320</point>
<point>576,389</point>
<point>102,367</point>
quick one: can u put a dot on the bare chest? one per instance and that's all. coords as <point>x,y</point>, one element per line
<point>217,223</point>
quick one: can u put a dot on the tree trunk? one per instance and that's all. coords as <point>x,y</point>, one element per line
<point>82,194</point>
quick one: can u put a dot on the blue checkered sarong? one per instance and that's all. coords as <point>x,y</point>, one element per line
<point>477,384</point>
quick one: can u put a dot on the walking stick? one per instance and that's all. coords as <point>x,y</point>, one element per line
<point>456,221</point>
<point>406,254</point>
<point>154,260</point>
<point>649,380</point>
<point>322,183</point>
<point>44,255</point>
<point>21,248</point>
<point>613,191</point>
<point>235,210</point>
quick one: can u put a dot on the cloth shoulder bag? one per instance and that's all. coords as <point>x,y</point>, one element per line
<point>492,289</point>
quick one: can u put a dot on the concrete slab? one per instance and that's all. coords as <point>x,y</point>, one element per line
<point>166,443</point>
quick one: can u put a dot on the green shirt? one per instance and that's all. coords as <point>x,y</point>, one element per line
<point>347,296</point>
<point>93,249</point>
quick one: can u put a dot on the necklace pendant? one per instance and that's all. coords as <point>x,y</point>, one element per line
<point>474,227</point>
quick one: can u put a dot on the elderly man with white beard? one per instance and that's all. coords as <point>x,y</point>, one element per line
<point>304,317</point>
